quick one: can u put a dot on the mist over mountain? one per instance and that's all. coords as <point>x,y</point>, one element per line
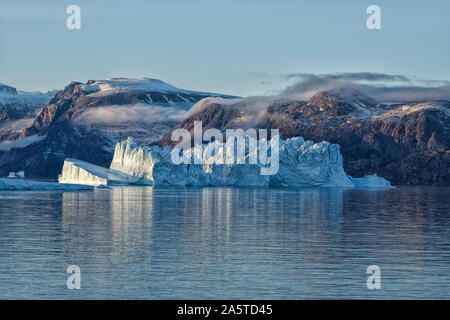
<point>384,88</point>
<point>18,109</point>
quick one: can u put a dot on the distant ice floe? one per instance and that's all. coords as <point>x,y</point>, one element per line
<point>14,184</point>
<point>301,164</point>
<point>20,174</point>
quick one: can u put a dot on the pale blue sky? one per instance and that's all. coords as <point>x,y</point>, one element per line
<point>240,47</point>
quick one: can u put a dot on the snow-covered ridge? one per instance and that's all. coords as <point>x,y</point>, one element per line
<point>37,97</point>
<point>5,89</point>
<point>10,95</point>
<point>116,85</point>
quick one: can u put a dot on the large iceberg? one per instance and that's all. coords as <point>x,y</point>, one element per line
<point>301,164</point>
<point>81,172</point>
<point>16,184</point>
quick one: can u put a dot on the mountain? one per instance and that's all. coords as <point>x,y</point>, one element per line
<point>85,120</point>
<point>18,108</point>
<point>406,143</point>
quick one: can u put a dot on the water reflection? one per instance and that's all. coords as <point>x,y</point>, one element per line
<point>144,242</point>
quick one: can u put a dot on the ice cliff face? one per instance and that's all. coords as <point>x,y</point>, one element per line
<point>80,172</point>
<point>155,164</point>
<point>307,164</point>
<point>301,164</point>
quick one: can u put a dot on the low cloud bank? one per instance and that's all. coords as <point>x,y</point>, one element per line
<point>381,87</point>
<point>118,114</point>
<point>384,88</point>
<point>17,125</point>
<point>20,143</point>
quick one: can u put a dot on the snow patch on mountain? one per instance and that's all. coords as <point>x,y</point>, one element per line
<point>116,85</point>
<point>37,97</point>
<point>405,109</point>
<point>10,95</point>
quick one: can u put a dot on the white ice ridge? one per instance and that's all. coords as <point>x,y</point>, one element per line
<point>13,184</point>
<point>81,172</point>
<point>301,164</point>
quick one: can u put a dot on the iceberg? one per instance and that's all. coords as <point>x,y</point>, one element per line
<point>15,184</point>
<point>301,164</point>
<point>80,172</point>
<point>20,174</point>
<point>370,181</point>
<point>155,165</point>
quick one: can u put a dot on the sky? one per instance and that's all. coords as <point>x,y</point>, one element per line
<point>240,47</point>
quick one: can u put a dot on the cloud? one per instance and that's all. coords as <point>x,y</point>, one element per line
<point>385,88</point>
<point>118,114</point>
<point>20,143</point>
<point>17,125</point>
<point>349,76</point>
<point>382,87</point>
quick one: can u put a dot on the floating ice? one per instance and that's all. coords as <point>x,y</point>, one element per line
<point>81,172</point>
<point>14,184</point>
<point>301,164</point>
<point>20,174</point>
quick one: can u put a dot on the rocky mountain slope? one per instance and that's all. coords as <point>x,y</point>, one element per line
<point>18,108</point>
<point>408,144</point>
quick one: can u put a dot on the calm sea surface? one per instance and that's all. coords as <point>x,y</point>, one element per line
<point>225,243</point>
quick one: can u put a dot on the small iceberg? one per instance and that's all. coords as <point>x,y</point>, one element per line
<point>370,181</point>
<point>20,174</point>
<point>80,172</point>
<point>14,184</point>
